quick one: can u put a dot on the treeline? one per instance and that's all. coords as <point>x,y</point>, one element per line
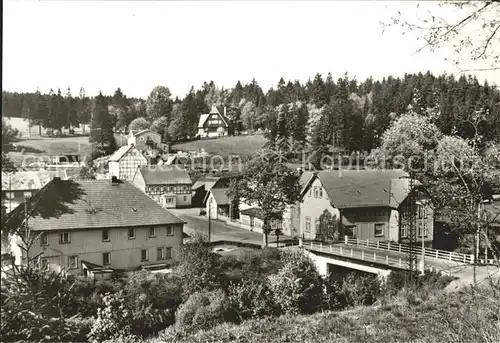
<point>322,113</point>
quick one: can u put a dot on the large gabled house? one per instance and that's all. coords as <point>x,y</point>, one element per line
<point>203,185</point>
<point>213,124</point>
<point>123,162</point>
<point>367,204</point>
<point>169,185</point>
<point>90,227</point>
<point>145,140</point>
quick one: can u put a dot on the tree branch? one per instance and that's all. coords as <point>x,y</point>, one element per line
<point>487,43</point>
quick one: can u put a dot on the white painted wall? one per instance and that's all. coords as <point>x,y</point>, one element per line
<point>114,169</point>
<point>394,225</point>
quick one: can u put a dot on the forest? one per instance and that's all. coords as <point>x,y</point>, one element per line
<point>346,113</point>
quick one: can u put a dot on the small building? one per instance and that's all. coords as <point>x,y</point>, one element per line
<point>168,185</point>
<point>98,226</point>
<point>145,140</point>
<point>202,186</point>
<point>124,162</point>
<point>367,204</point>
<point>214,124</point>
<point>217,203</point>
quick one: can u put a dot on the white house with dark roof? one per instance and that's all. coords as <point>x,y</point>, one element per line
<point>89,226</point>
<point>168,185</point>
<point>214,124</point>
<point>217,203</point>
<point>368,204</point>
<point>145,140</point>
<point>124,162</point>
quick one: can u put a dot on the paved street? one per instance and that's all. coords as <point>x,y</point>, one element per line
<point>220,231</point>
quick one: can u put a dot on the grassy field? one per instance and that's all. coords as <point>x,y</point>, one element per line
<point>226,146</point>
<point>22,126</point>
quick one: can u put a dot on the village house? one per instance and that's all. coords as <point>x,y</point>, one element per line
<point>168,185</point>
<point>218,204</point>
<point>213,124</point>
<point>145,140</point>
<point>17,186</point>
<point>203,185</point>
<point>251,216</point>
<point>123,162</point>
<point>94,227</point>
<point>367,204</point>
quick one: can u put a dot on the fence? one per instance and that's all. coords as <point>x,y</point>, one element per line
<point>402,248</point>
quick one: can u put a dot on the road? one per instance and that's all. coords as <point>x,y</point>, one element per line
<point>220,231</point>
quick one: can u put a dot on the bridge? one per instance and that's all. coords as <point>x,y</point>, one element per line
<point>380,257</point>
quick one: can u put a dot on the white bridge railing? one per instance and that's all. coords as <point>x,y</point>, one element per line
<point>417,250</point>
<point>375,257</point>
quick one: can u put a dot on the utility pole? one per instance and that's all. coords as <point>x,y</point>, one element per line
<point>423,231</point>
<point>27,231</point>
<point>209,219</point>
<point>411,219</point>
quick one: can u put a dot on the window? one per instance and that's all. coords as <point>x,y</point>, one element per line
<point>144,255</point>
<point>315,192</point>
<point>106,259</point>
<point>426,232</point>
<point>170,230</point>
<point>73,262</point>
<point>169,200</point>
<point>44,263</point>
<point>316,224</point>
<point>152,232</point>
<point>404,231</point>
<point>379,230</point>
<point>420,211</point>
<point>159,254</point>
<point>349,230</point>
<point>64,238</point>
<point>131,234</point>
<point>419,229</point>
<point>185,198</point>
<point>105,235</point>
<point>27,194</point>
<point>321,192</point>
<point>308,224</point>
<point>310,190</point>
<point>9,195</point>
<point>168,253</point>
<point>44,239</point>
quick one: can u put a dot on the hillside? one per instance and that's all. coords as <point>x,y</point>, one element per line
<point>225,146</point>
<point>413,316</point>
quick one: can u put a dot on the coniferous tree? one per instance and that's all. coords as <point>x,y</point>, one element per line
<point>83,109</point>
<point>101,126</point>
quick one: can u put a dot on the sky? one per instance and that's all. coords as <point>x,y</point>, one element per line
<point>137,45</point>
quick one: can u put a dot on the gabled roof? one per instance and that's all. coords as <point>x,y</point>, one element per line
<point>364,188</point>
<point>219,195</point>
<point>140,132</point>
<point>214,110</point>
<point>208,182</point>
<point>164,175</point>
<point>118,154</point>
<point>91,204</point>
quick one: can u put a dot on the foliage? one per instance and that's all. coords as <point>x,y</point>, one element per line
<point>113,321</point>
<point>199,267</point>
<point>87,173</point>
<point>297,287</point>
<point>352,290</point>
<point>159,103</point>
<point>101,125</point>
<point>328,227</point>
<point>271,185</point>
<point>398,280</point>
<point>202,310</point>
<point>138,124</point>
<point>251,299</point>
<point>34,308</point>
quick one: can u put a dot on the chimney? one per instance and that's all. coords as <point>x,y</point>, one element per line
<point>224,111</point>
<point>114,181</point>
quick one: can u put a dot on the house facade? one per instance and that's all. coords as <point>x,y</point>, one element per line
<point>170,186</point>
<point>217,204</point>
<point>145,140</point>
<point>203,185</point>
<point>124,162</point>
<point>104,226</point>
<point>366,204</point>
<point>213,124</point>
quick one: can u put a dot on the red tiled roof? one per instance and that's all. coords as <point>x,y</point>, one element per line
<point>87,204</point>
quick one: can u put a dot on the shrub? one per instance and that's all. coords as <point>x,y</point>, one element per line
<point>250,299</point>
<point>297,287</point>
<point>199,268</point>
<point>113,321</point>
<point>202,310</point>
<point>360,289</point>
<point>399,280</point>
